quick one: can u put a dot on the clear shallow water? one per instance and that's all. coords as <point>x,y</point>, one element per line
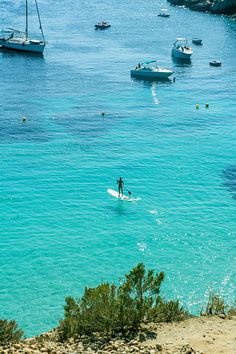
<point>59,229</point>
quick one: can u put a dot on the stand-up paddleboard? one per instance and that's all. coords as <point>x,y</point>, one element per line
<point>121,197</point>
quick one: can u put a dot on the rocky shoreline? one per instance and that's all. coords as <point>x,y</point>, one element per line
<point>199,335</point>
<point>226,7</point>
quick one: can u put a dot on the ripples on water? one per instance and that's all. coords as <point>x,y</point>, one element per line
<point>60,230</point>
<point>229,178</point>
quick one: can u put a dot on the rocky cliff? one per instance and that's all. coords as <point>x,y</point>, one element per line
<point>227,7</point>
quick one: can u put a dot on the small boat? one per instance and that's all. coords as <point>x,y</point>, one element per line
<point>19,40</point>
<point>197,41</point>
<point>102,25</point>
<point>145,71</point>
<point>164,13</point>
<point>181,50</point>
<point>215,63</point>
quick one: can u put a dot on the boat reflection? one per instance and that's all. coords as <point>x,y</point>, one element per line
<point>149,82</point>
<point>181,62</point>
<point>13,53</point>
<point>153,85</point>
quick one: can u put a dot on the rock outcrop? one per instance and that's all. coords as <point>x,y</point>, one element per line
<point>227,7</point>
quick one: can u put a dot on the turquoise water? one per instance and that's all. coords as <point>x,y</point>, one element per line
<point>59,229</point>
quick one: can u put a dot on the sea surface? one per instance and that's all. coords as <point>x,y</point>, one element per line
<point>59,228</point>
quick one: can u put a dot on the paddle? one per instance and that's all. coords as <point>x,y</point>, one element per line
<point>128,191</point>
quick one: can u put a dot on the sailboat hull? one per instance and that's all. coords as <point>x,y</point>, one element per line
<point>33,46</point>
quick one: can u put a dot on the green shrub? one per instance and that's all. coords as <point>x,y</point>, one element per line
<point>144,289</point>
<point>98,311</point>
<point>109,309</point>
<point>232,311</point>
<point>169,311</point>
<point>9,332</point>
<point>215,305</point>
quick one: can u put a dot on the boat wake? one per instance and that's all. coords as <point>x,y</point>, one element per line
<point>154,94</point>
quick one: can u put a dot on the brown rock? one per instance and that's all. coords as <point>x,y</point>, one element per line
<point>221,315</point>
<point>17,345</point>
<point>152,351</point>
<point>133,342</point>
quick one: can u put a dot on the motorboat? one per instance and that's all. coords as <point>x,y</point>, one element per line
<point>181,50</point>
<point>102,25</point>
<point>197,41</point>
<point>147,71</point>
<point>215,63</point>
<point>164,13</point>
<point>19,40</point>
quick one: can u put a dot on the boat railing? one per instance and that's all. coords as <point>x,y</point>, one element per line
<point>12,33</point>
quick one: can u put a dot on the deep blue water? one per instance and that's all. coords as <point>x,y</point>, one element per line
<point>59,229</point>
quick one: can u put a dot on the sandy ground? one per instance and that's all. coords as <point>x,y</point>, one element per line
<point>200,335</point>
<point>208,335</point>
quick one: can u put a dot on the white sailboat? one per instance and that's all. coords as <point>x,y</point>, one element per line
<point>19,40</point>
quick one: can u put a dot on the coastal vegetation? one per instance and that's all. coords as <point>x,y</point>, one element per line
<point>111,312</point>
<point>9,332</point>
<point>109,309</point>
<point>216,306</point>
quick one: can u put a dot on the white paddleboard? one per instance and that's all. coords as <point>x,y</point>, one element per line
<point>121,197</point>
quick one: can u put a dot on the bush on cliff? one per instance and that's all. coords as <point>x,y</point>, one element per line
<point>169,311</point>
<point>9,332</point>
<point>215,305</point>
<point>110,309</point>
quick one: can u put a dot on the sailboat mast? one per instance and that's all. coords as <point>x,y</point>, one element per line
<point>40,24</point>
<point>26,18</point>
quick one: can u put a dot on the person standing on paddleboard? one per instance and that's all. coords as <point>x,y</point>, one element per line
<point>120,183</point>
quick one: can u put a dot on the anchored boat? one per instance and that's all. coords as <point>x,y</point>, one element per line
<point>102,25</point>
<point>215,63</point>
<point>197,41</point>
<point>145,71</point>
<point>19,40</point>
<point>181,50</point>
<point>164,13</point>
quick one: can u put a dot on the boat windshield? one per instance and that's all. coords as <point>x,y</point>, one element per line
<point>181,41</point>
<point>146,66</point>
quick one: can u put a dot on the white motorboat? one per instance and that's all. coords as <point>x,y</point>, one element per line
<point>164,13</point>
<point>145,71</point>
<point>102,25</point>
<point>19,40</point>
<point>181,50</point>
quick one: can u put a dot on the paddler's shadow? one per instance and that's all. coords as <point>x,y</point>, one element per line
<point>119,208</point>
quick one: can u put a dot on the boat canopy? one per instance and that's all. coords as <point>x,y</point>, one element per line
<point>148,62</point>
<point>181,39</point>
